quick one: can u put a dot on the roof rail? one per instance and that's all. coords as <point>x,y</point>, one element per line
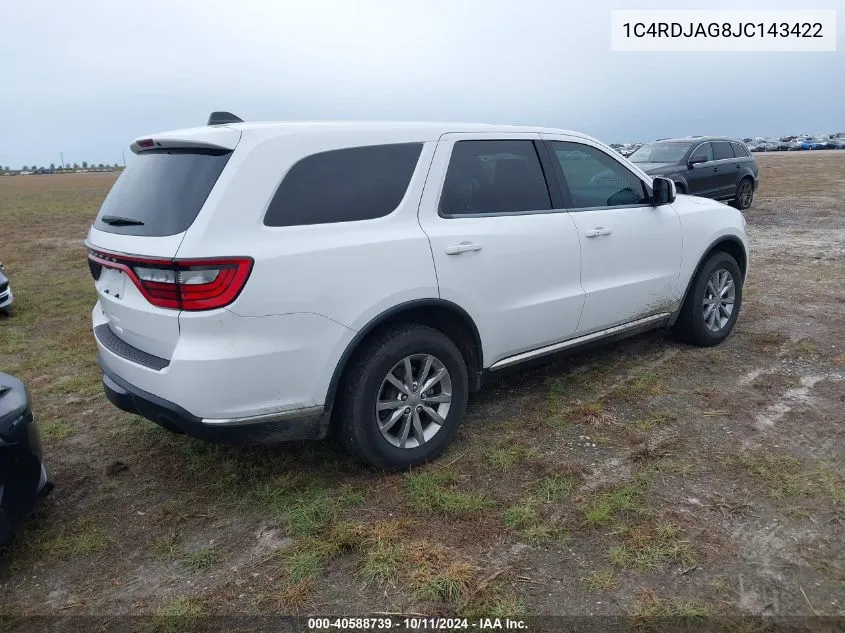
<point>221,118</point>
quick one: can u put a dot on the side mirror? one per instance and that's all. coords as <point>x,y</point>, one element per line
<point>695,160</point>
<point>664,191</point>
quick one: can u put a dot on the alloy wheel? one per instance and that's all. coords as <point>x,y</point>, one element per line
<point>413,401</point>
<point>719,296</point>
<point>746,194</point>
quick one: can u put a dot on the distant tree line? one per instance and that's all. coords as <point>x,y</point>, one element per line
<point>53,168</point>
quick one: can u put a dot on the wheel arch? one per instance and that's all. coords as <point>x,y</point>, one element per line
<point>729,244</point>
<point>746,174</point>
<point>443,315</point>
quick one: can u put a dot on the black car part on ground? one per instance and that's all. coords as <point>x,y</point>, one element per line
<point>22,475</point>
<point>5,290</point>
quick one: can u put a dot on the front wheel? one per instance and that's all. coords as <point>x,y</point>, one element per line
<point>403,398</point>
<point>712,304</point>
<point>744,194</point>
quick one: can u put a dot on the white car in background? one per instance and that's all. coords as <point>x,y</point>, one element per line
<point>275,281</point>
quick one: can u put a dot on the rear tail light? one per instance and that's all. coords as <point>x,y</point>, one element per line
<point>180,284</point>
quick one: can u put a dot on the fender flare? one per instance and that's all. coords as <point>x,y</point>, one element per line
<point>746,173</point>
<point>473,372</point>
<point>707,252</point>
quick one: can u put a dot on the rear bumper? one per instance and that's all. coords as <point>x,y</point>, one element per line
<point>227,367</point>
<point>298,424</point>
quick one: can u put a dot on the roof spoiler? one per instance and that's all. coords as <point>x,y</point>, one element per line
<point>211,137</point>
<point>221,118</point>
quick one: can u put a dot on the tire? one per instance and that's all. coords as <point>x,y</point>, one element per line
<point>357,422</point>
<point>744,194</point>
<point>691,326</point>
<point>680,188</point>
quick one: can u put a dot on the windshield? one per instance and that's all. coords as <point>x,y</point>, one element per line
<point>660,153</point>
<point>161,192</point>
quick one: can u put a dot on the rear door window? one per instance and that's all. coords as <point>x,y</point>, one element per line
<point>722,150</point>
<point>494,176</point>
<point>344,185</point>
<point>161,192</point>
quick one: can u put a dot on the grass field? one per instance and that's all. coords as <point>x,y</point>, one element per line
<point>646,479</point>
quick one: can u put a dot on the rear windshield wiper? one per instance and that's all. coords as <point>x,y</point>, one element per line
<point>116,220</point>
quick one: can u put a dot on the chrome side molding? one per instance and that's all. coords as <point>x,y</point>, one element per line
<point>573,342</point>
<point>278,416</point>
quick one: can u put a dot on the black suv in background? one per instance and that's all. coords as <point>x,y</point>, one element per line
<point>709,166</point>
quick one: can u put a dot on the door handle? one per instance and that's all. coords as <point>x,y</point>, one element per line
<point>599,230</point>
<point>715,169</point>
<point>463,247</point>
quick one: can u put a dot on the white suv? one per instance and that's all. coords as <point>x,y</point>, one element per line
<point>273,281</point>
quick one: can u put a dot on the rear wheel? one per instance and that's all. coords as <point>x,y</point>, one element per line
<point>403,398</point>
<point>744,194</point>
<point>712,304</point>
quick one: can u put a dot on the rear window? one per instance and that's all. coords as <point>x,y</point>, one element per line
<point>344,185</point>
<point>161,192</point>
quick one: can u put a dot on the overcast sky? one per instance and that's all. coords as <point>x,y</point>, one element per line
<point>87,77</point>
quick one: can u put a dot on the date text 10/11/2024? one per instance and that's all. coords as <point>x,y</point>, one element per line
<point>415,624</point>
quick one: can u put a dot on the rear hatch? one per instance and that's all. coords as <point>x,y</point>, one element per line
<point>135,237</point>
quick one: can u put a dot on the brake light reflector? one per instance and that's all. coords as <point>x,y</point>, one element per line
<point>182,284</point>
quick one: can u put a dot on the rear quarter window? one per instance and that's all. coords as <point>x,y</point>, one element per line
<point>344,185</point>
<point>161,192</point>
<point>740,151</point>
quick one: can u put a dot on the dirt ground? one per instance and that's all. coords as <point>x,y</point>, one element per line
<point>646,480</point>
